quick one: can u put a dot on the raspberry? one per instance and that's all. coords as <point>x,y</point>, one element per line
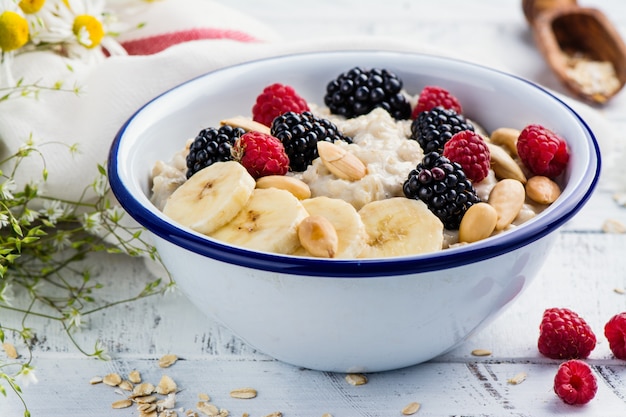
<point>277,99</point>
<point>615,332</point>
<point>542,151</point>
<point>261,154</point>
<point>469,150</point>
<point>432,96</point>
<point>563,334</point>
<point>575,383</point>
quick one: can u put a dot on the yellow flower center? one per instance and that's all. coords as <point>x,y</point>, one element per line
<point>31,6</point>
<point>93,27</point>
<point>13,31</point>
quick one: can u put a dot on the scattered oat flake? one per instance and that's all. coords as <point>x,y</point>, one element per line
<point>10,350</point>
<point>356,379</point>
<point>208,409</point>
<point>126,385</point>
<point>619,290</point>
<point>620,198</point>
<point>243,393</point>
<point>142,389</point>
<point>517,379</point>
<point>191,413</point>
<point>152,413</point>
<point>95,380</point>
<point>112,380</point>
<point>411,408</point>
<point>327,415</point>
<point>223,412</point>
<point>166,385</point>
<point>613,226</point>
<point>167,360</point>
<point>168,402</point>
<point>275,414</point>
<point>125,403</point>
<point>146,399</point>
<point>481,352</point>
<point>134,377</point>
<point>204,397</point>
<point>146,407</point>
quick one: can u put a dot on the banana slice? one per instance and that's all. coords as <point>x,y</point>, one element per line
<point>346,221</point>
<point>211,197</point>
<point>268,223</point>
<point>400,226</point>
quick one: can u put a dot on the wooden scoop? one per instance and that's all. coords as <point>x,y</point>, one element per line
<point>581,46</point>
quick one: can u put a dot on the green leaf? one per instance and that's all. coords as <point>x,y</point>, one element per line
<point>102,170</point>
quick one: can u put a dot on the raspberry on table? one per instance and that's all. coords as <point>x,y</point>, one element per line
<point>443,186</point>
<point>261,154</point>
<point>469,150</point>
<point>433,128</point>
<point>433,96</point>
<point>211,145</point>
<point>300,132</point>
<point>563,334</point>
<point>542,151</point>
<point>359,91</point>
<point>615,332</point>
<point>277,99</point>
<point>575,383</point>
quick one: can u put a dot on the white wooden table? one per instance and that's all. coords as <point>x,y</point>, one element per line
<point>584,268</point>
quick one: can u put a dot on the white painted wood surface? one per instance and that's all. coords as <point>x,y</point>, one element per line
<point>582,271</point>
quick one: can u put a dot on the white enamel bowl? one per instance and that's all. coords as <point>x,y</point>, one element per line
<point>349,315</point>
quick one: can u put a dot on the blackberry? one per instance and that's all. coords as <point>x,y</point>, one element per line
<point>300,132</point>
<point>211,145</point>
<point>433,128</point>
<point>358,91</point>
<point>443,186</point>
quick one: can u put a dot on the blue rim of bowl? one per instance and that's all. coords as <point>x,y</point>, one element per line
<point>376,267</point>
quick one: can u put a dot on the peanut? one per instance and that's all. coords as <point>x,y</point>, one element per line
<point>318,236</point>
<point>246,124</point>
<point>507,197</point>
<point>542,190</point>
<point>298,188</point>
<point>340,162</point>
<point>478,222</point>
<point>507,138</point>
<point>504,165</point>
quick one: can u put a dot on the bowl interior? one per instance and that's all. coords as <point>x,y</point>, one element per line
<point>492,98</point>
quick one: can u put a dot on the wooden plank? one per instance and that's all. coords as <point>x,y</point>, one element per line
<point>475,388</point>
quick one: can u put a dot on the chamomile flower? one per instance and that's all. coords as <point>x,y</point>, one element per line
<point>26,376</point>
<point>4,220</point>
<point>53,210</point>
<point>76,319</point>
<point>33,9</point>
<point>83,27</point>
<point>92,222</point>
<point>13,35</point>
<point>7,188</point>
<point>6,293</point>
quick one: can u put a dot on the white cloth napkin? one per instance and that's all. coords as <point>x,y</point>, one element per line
<point>182,39</point>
